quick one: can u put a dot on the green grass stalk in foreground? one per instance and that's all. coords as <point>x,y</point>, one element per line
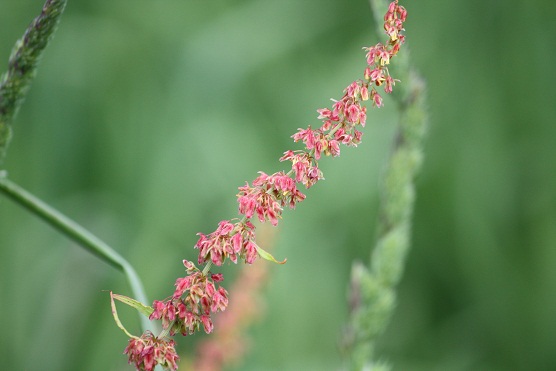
<point>78,234</point>
<point>14,84</point>
<point>373,295</point>
<point>22,66</point>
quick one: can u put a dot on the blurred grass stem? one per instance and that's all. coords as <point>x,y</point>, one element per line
<point>373,295</point>
<point>78,234</point>
<point>22,66</point>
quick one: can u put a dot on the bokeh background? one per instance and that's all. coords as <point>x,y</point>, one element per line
<point>146,116</point>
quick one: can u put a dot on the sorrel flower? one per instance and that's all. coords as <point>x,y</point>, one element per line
<point>196,295</point>
<point>230,240</point>
<point>194,299</point>
<point>148,351</point>
<point>226,347</point>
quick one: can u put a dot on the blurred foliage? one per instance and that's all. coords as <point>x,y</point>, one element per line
<point>146,116</point>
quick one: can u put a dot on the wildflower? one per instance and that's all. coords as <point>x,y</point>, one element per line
<point>377,99</point>
<point>197,295</point>
<point>194,299</point>
<point>390,82</point>
<point>148,351</point>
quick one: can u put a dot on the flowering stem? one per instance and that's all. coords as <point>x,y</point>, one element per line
<point>77,233</point>
<point>207,268</point>
<point>22,66</point>
<point>373,288</point>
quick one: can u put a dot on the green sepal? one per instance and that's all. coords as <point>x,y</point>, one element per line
<point>267,256</point>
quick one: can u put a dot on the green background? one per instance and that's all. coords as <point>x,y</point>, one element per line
<point>146,116</point>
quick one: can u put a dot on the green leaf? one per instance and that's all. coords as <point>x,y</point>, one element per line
<point>141,308</point>
<point>267,256</point>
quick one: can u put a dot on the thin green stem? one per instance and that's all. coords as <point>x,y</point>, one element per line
<point>78,234</point>
<point>22,66</point>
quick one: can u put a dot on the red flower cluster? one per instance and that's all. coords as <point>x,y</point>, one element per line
<point>196,295</point>
<point>229,240</point>
<point>194,299</point>
<point>268,196</point>
<point>148,351</point>
<point>378,56</point>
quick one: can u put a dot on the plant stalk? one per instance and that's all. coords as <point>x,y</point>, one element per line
<point>22,66</point>
<point>373,287</point>
<point>77,233</point>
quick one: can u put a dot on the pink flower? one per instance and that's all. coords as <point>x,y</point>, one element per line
<point>198,294</point>
<point>269,194</point>
<point>363,116</point>
<point>352,90</point>
<point>372,54</point>
<point>207,323</point>
<point>250,252</point>
<point>334,148</point>
<point>324,113</point>
<point>186,312</point>
<point>367,73</point>
<point>182,284</point>
<point>377,99</point>
<point>338,107</point>
<point>377,76</point>
<point>288,155</point>
<point>390,82</point>
<point>228,239</point>
<point>158,307</point>
<point>307,136</point>
<point>353,113</point>
<point>365,92</point>
<point>148,351</point>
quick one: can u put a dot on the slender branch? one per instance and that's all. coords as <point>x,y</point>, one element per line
<point>22,65</point>
<point>373,295</point>
<point>78,234</point>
